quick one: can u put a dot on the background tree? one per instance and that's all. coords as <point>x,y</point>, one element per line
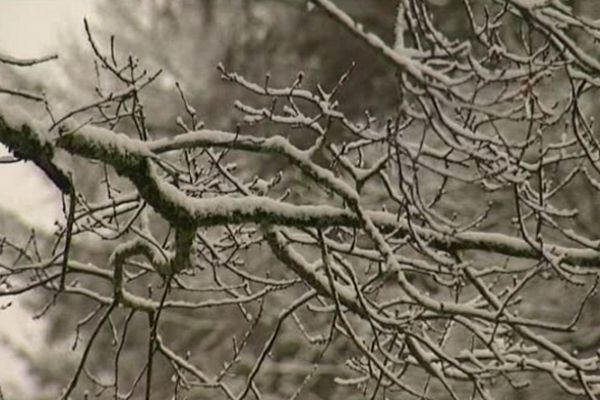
<point>434,256</point>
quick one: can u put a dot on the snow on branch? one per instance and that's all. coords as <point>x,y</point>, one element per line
<point>126,155</point>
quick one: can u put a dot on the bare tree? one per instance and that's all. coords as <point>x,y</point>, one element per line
<point>426,250</point>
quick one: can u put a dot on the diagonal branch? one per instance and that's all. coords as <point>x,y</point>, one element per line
<point>131,158</point>
<point>127,155</point>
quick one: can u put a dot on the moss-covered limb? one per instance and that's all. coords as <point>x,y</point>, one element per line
<point>132,163</point>
<point>22,137</point>
<point>473,240</point>
<point>26,139</point>
<point>26,142</point>
<point>131,159</point>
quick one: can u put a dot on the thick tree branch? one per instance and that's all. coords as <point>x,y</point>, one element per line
<point>130,158</point>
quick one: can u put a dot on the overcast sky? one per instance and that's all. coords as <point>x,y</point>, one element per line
<point>33,28</point>
<point>30,28</point>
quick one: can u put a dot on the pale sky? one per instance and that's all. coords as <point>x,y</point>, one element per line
<point>30,28</point>
<point>34,28</point>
